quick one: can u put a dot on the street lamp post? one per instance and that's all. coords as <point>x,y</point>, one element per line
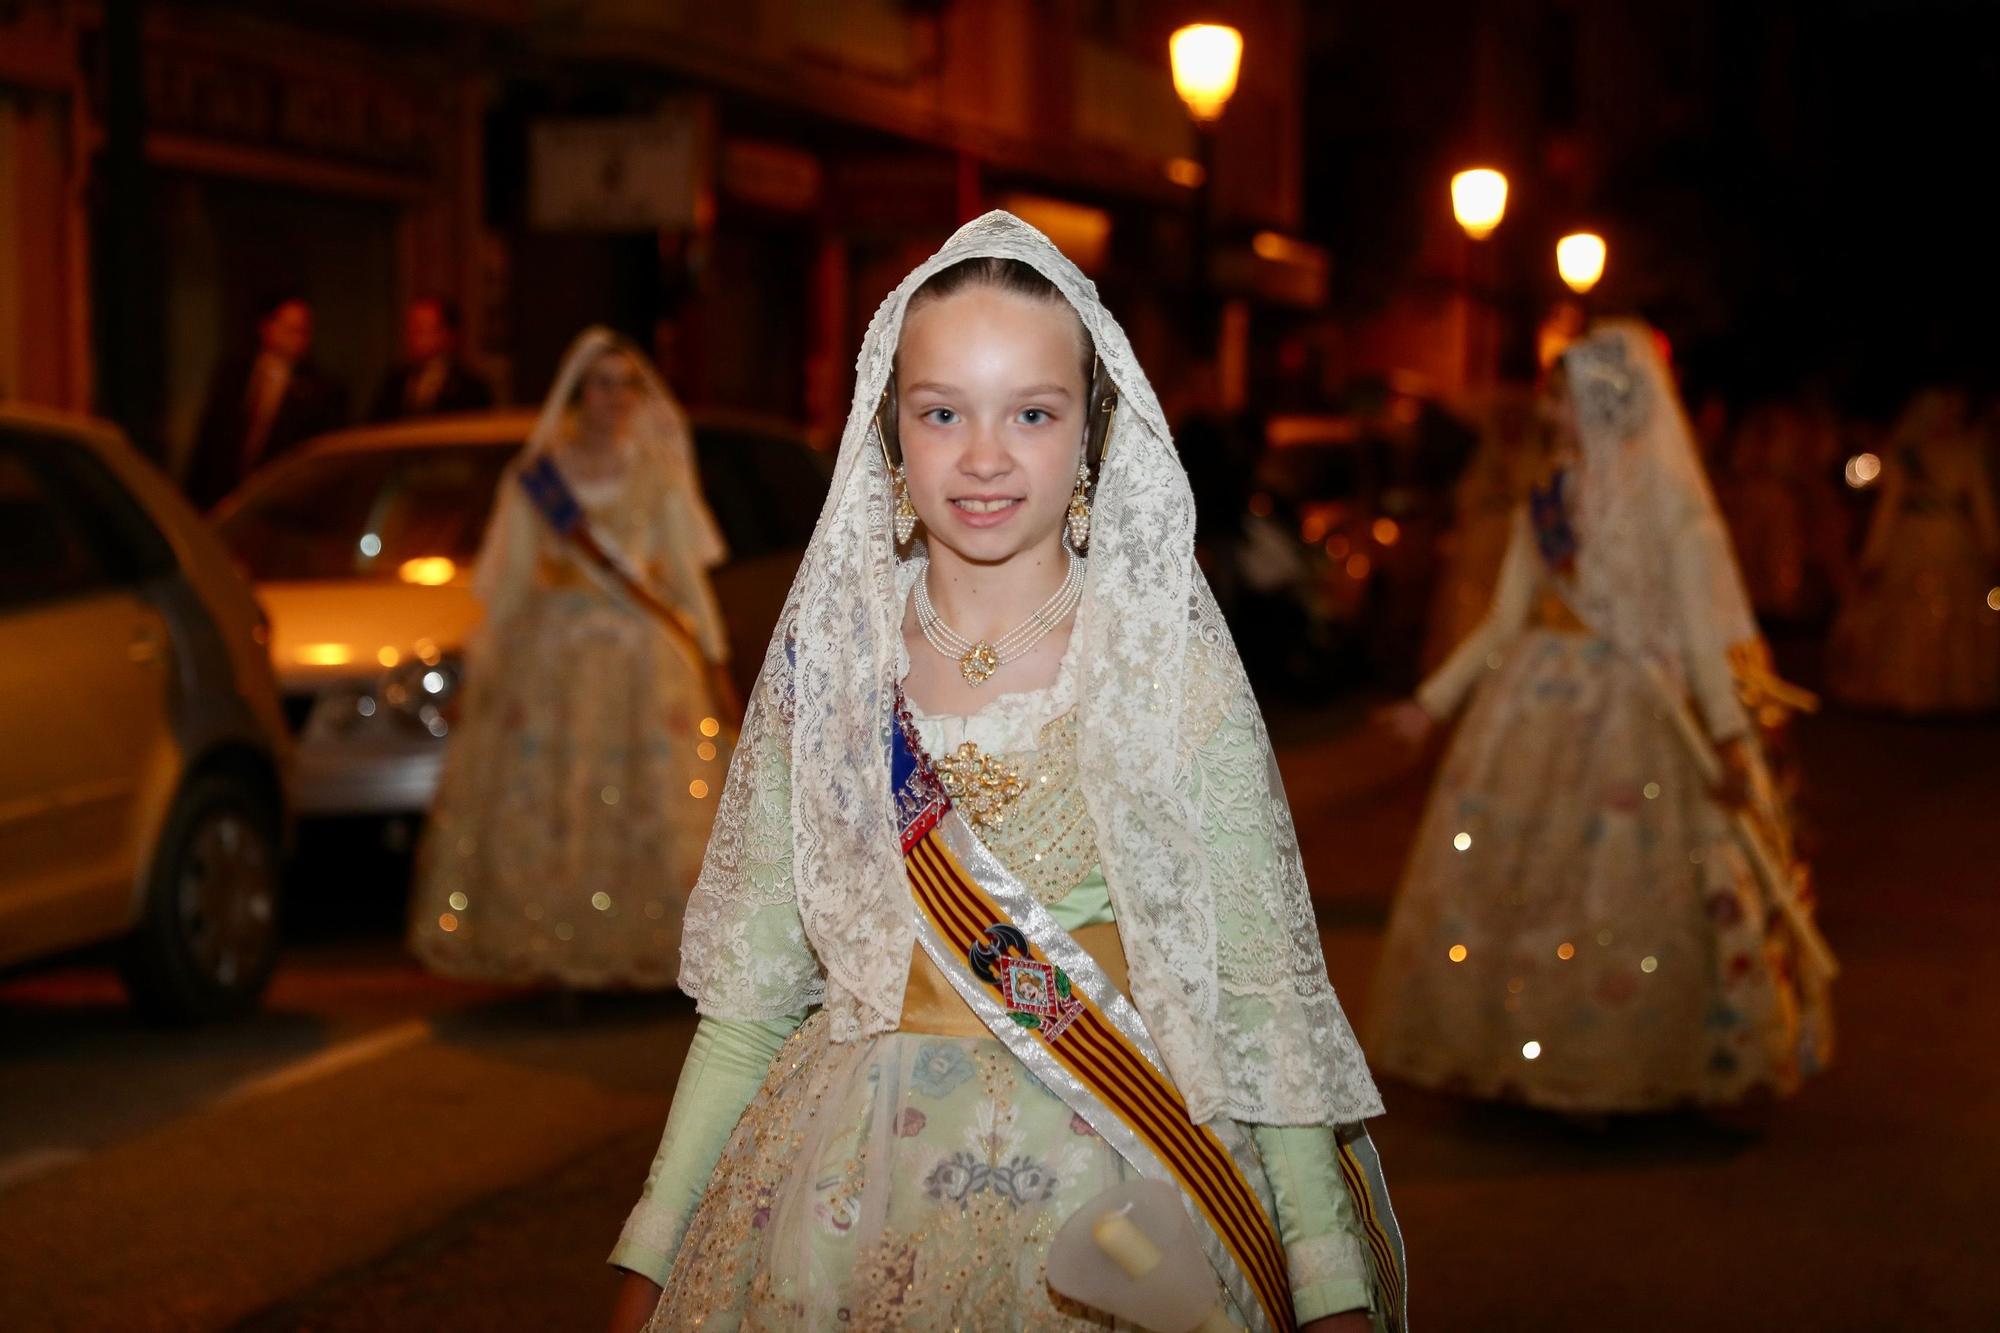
<point>1206,58</point>
<point>1478,203</point>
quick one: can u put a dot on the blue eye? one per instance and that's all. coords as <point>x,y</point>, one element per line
<point>1034,416</point>
<point>940,416</point>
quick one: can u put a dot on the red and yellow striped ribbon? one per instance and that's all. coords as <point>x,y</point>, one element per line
<point>1094,1051</point>
<point>1388,1266</point>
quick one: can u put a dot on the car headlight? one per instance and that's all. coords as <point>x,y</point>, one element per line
<point>417,696</point>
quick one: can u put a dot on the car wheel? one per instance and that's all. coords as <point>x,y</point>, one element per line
<point>208,938</point>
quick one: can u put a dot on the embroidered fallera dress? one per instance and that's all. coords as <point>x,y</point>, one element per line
<point>1921,633</point>
<point>1578,928</point>
<point>915,1179</point>
<point>846,1150</point>
<point>582,775</point>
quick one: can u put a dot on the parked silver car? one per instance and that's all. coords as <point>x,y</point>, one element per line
<point>142,780</point>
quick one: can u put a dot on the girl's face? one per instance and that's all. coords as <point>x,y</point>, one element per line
<point>608,394</point>
<point>990,410</point>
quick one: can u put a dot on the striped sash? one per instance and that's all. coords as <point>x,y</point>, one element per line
<point>1044,998</point>
<point>1361,1168</point>
<point>543,483</point>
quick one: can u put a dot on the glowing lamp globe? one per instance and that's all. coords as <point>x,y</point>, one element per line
<point>1206,57</point>
<point>1580,260</point>
<point>1479,201</point>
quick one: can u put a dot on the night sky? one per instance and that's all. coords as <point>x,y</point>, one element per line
<point>1798,192</point>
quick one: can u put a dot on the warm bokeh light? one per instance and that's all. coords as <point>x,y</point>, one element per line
<point>428,571</point>
<point>1387,531</point>
<point>698,789</point>
<point>1565,951</point>
<point>1479,201</point>
<point>1185,172</point>
<point>1993,598</point>
<point>1358,566</point>
<point>388,656</point>
<point>1456,953</point>
<point>1862,470</point>
<point>1462,841</point>
<point>1282,249</point>
<point>1580,260</point>
<point>325,654</point>
<point>1206,58</point>
<point>710,727</point>
<point>1531,1050</point>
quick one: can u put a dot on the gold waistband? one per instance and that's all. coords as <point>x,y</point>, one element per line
<point>931,1006</point>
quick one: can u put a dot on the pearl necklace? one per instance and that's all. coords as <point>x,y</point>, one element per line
<point>977,661</point>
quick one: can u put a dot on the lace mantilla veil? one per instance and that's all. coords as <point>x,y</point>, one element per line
<point>1653,549</point>
<point>802,898</point>
<point>662,474</point>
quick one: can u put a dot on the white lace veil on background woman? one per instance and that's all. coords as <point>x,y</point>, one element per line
<point>660,471</point>
<point>1655,572</point>
<point>803,898</point>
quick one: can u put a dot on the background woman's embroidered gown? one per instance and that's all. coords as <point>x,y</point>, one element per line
<point>1577,927</point>
<point>1919,634</point>
<point>915,1179</point>
<point>579,786</point>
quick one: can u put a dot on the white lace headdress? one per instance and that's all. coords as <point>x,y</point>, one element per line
<point>803,898</point>
<point>661,484</point>
<point>1653,552</point>
<point>657,427</point>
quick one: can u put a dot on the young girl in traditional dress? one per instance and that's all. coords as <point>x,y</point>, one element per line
<point>1003,906</point>
<point>576,797</point>
<point>1601,913</point>
<point>1920,633</point>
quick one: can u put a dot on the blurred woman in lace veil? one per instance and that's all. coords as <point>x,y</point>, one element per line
<point>1920,632</point>
<point>1002,852</point>
<point>581,779</point>
<point>1601,912</point>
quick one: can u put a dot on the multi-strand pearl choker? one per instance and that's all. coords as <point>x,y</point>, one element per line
<point>979,660</point>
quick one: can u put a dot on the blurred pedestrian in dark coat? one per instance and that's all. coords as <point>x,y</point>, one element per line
<point>264,404</point>
<point>430,379</point>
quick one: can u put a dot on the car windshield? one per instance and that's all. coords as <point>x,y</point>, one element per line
<point>409,514</point>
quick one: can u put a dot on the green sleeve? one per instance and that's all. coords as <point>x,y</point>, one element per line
<point>1316,1220</point>
<point>726,1064</point>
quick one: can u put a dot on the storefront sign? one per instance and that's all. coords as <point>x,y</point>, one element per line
<point>637,173</point>
<point>313,112</point>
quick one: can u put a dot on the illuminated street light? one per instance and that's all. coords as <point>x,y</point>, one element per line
<point>1479,201</point>
<point>1205,57</point>
<point>1580,260</point>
